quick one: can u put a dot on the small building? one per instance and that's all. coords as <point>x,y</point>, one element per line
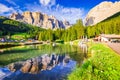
<point>109,38</point>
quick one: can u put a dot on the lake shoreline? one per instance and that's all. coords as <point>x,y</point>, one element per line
<point>8,45</point>
<point>102,65</point>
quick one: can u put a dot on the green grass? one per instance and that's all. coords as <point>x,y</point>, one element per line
<point>103,65</point>
<point>75,42</point>
<point>10,27</point>
<point>20,36</point>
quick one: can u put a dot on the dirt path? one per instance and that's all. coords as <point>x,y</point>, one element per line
<point>115,47</point>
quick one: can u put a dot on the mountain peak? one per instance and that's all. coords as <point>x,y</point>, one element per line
<point>101,12</point>
<point>39,19</point>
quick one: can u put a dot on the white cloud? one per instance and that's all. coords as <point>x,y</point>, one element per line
<point>11,2</point>
<point>71,14</point>
<point>49,7</point>
<point>16,7</point>
<point>60,12</point>
<point>47,2</point>
<point>5,9</point>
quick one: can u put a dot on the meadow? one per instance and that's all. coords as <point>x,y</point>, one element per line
<point>103,65</point>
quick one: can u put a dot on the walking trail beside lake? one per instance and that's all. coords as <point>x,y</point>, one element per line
<point>115,47</point>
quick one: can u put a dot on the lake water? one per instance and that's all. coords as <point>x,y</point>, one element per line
<point>60,60</point>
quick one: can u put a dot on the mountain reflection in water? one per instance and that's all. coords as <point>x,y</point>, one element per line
<point>46,67</point>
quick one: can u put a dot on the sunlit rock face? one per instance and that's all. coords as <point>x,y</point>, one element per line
<point>102,12</point>
<point>35,65</point>
<point>16,16</point>
<point>39,19</point>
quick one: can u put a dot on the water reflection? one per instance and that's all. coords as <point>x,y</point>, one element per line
<point>45,62</point>
<point>19,53</point>
<point>46,67</point>
<point>49,63</point>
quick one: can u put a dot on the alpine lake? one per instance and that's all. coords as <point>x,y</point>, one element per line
<point>40,62</point>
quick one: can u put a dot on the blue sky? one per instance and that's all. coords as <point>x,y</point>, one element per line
<point>70,10</point>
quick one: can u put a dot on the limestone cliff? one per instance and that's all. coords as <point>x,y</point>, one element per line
<point>102,12</point>
<point>40,19</point>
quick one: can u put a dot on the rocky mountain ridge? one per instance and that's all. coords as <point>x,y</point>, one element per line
<point>39,19</point>
<point>102,12</point>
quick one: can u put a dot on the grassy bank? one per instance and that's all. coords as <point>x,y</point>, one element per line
<point>75,42</point>
<point>103,65</point>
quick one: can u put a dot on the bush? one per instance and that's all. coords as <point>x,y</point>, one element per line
<point>60,41</point>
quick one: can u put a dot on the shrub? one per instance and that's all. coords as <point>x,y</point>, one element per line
<point>60,41</point>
